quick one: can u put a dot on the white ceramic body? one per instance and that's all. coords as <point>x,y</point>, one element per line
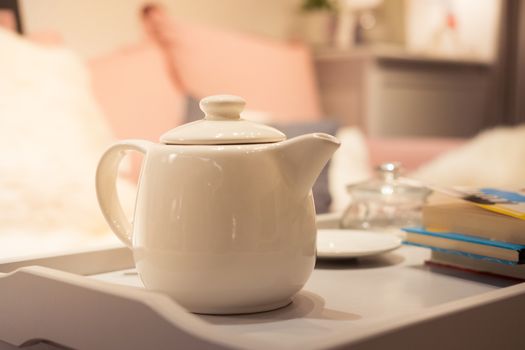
<point>222,229</point>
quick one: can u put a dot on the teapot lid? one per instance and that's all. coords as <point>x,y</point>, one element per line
<point>222,125</point>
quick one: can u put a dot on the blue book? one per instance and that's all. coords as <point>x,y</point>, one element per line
<point>465,245</point>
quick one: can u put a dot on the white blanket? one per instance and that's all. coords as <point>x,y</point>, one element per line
<point>52,134</point>
<point>494,158</point>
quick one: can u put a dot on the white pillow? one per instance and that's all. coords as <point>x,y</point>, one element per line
<point>349,164</point>
<point>52,134</point>
<point>494,158</point>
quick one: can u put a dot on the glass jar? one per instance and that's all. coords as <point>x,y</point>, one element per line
<point>384,202</point>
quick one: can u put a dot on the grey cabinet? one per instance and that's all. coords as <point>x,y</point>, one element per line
<point>389,93</point>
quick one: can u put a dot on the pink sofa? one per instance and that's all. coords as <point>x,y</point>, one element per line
<point>411,152</point>
<point>142,98</point>
<point>142,88</point>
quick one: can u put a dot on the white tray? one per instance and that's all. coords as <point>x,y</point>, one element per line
<point>95,300</point>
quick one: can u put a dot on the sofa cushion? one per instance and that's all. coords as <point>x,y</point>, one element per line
<point>136,93</point>
<point>273,76</point>
<point>349,164</point>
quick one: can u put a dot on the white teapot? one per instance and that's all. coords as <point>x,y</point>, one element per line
<point>224,218</point>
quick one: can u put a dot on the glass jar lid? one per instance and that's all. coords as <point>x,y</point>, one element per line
<point>386,182</point>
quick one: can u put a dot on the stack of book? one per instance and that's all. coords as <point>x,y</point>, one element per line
<point>468,236</point>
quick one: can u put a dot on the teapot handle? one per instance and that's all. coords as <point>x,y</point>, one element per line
<point>106,185</point>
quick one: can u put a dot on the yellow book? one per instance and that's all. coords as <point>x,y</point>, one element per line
<point>465,218</point>
<point>502,201</point>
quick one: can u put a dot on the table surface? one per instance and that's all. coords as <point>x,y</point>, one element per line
<point>350,296</point>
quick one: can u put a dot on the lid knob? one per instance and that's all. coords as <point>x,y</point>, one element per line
<point>390,170</point>
<point>222,107</point>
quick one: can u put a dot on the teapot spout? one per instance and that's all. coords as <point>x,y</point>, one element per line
<point>304,157</point>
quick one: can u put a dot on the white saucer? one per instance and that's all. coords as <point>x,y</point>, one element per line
<point>354,243</point>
